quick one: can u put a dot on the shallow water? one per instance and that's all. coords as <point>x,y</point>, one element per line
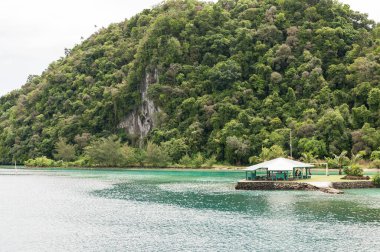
<point>102,210</point>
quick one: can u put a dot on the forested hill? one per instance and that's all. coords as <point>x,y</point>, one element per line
<point>229,79</point>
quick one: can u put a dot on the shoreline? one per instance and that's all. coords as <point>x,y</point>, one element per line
<point>23,168</point>
<point>332,171</point>
<point>328,184</point>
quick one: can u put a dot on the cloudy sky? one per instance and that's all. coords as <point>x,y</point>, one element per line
<point>35,33</point>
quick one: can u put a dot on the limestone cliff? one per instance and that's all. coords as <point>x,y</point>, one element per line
<point>141,120</point>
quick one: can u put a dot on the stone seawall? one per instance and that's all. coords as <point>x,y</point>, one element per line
<point>352,185</point>
<point>333,188</point>
<point>271,185</point>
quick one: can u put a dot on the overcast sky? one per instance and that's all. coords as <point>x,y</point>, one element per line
<point>33,33</point>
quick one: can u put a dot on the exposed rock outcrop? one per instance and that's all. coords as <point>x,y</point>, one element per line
<point>141,121</point>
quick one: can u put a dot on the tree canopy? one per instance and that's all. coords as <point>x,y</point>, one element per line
<point>233,79</point>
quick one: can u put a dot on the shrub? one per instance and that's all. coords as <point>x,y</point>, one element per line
<point>105,152</point>
<point>211,161</point>
<point>64,151</point>
<point>332,163</point>
<point>376,180</point>
<point>198,160</point>
<point>375,164</point>
<point>129,155</point>
<point>30,163</point>
<point>176,148</point>
<point>60,163</point>
<point>185,161</point>
<point>353,170</point>
<point>81,162</point>
<point>375,155</point>
<point>254,160</point>
<point>194,162</point>
<point>156,155</point>
<point>139,156</point>
<point>40,162</point>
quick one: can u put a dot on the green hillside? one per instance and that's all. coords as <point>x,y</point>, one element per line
<point>227,79</point>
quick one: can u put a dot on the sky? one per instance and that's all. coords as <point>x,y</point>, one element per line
<point>35,33</point>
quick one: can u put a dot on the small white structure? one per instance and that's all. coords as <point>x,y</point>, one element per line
<point>279,168</point>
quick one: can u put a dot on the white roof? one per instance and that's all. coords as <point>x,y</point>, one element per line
<point>279,164</point>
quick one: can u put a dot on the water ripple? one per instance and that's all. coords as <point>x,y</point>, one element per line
<point>158,211</point>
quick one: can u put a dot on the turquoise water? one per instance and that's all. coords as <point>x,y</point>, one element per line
<point>153,210</point>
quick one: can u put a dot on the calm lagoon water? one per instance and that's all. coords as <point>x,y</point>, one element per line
<point>103,210</point>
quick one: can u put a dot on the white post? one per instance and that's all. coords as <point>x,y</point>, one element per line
<point>327,167</point>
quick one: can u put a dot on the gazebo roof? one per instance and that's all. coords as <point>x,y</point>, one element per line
<point>279,164</point>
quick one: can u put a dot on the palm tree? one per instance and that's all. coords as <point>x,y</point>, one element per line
<point>308,157</point>
<point>340,160</point>
<point>356,158</point>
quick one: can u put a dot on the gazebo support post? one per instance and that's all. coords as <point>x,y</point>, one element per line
<point>294,173</point>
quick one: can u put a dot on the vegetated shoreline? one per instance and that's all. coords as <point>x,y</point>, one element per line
<point>233,80</point>
<point>179,168</point>
<point>336,185</point>
<point>174,168</point>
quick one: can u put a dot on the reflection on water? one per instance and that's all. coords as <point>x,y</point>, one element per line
<point>338,210</point>
<point>203,196</point>
<point>71,210</point>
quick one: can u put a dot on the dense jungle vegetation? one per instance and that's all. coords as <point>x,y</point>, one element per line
<point>236,77</point>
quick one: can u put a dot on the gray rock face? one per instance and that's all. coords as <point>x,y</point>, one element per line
<point>141,121</point>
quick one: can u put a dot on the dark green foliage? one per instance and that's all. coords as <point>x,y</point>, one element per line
<point>197,161</point>
<point>266,154</point>
<point>375,155</point>
<point>353,170</point>
<point>312,146</point>
<point>224,74</point>
<point>376,180</point>
<point>332,130</point>
<point>237,150</point>
<point>234,78</point>
<point>105,152</point>
<point>156,155</point>
<point>64,151</point>
<point>176,149</point>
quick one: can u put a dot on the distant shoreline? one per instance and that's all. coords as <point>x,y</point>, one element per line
<point>220,168</point>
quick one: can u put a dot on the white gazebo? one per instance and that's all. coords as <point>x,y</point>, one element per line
<point>279,169</point>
